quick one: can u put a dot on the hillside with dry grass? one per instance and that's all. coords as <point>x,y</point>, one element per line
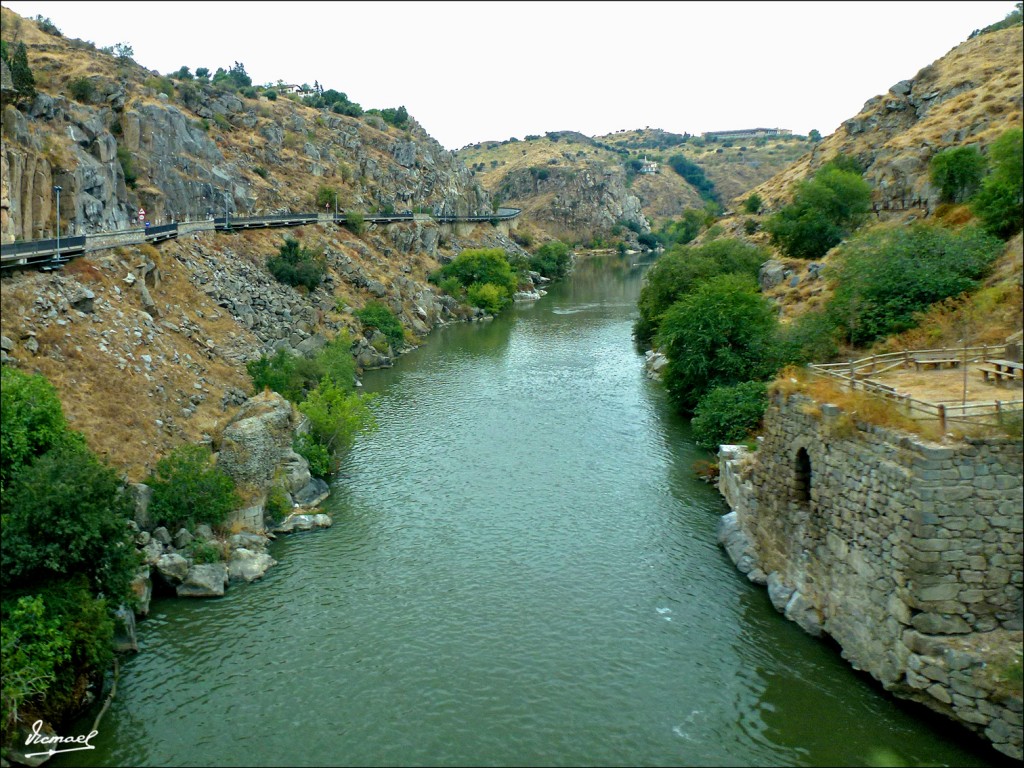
<point>732,166</point>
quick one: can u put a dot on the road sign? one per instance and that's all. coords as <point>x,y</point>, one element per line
<point>142,213</point>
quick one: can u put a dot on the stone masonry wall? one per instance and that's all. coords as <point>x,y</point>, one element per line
<point>907,553</point>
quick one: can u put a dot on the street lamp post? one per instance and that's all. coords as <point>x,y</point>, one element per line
<point>227,223</point>
<point>57,189</point>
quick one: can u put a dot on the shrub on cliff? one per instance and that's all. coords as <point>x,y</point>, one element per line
<point>1000,201</point>
<point>335,416</point>
<point>887,276</point>
<point>379,316</point>
<point>825,209</point>
<point>188,489</point>
<point>296,265</point>
<point>31,420</point>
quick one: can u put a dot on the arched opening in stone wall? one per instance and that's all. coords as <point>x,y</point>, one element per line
<point>802,478</point>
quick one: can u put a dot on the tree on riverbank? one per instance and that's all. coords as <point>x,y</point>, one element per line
<point>66,555</point>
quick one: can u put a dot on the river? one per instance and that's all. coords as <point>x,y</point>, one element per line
<point>522,571</point>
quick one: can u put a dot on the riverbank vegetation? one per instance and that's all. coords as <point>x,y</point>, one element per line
<point>323,388</point>
<point>700,305</point>
<point>67,556</point>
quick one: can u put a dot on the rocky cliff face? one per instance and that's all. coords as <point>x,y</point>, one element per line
<point>147,345</point>
<point>578,201</point>
<point>121,144</point>
<point>968,97</point>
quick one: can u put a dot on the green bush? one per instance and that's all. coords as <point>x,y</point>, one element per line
<point>292,376</point>
<point>31,420</point>
<point>552,260</point>
<point>317,455</point>
<point>957,172</point>
<point>683,268</point>
<point>65,514</point>
<point>379,316</point>
<point>886,276</point>
<point>188,489</point>
<point>278,506</point>
<point>825,209</point>
<point>1000,201</point>
<point>33,648</point>
<point>81,89</point>
<point>297,266</point>
<point>487,296</point>
<point>336,416</point>
<point>52,642</point>
<point>811,337</point>
<point>355,222</point>
<point>723,332</point>
<point>124,157</point>
<point>753,203</point>
<point>482,266</point>
<point>204,552</point>
<point>727,415</point>
<point>271,95</point>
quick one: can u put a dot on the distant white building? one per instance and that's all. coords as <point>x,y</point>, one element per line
<point>747,133</point>
<point>649,166</point>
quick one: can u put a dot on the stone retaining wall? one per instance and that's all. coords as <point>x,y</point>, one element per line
<point>907,553</point>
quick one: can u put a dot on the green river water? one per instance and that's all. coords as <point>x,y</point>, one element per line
<point>522,571</point>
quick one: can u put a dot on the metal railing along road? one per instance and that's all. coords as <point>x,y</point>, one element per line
<point>45,255</point>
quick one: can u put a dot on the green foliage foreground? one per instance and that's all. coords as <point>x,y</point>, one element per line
<point>883,278</point>
<point>66,553</point>
<point>479,267</point>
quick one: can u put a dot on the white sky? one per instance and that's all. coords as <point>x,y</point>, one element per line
<point>477,71</point>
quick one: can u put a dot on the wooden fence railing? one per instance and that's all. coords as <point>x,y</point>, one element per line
<point>856,374</point>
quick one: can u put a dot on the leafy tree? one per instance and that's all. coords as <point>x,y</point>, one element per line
<point>183,74</point>
<point>21,74</point>
<point>1000,202</point>
<point>336,416</point>
<point>33,648</point>
<point>296,265</point>
<point>32,420</point>
<point>753,203</point>
<point>355,222</point>
<point>188,489</point>
<point>552,259</point>
<point>481,265</point>
<point>65,514</point>
<point>326,197</point>
<point>123,51</point>
<point>814,135</point>
<point>487,296</point>
<point>728,414</point>
<point>825,209</point>
<point>238,76</point>
<point>957,172</point>
<point>293,376</point>
<point>379,316</point>
<point>721,333</point>
<point>684,230</point>
<point>81,89</point>
<point>886,276</point>
<point>682,269</point>
<point>202,73</point>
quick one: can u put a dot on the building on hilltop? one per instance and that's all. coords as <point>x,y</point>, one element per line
<point>747,133</point>
<point>649,166</point>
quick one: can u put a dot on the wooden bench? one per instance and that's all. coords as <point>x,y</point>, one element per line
<point>1000,370</point>
<point>938,362</point>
